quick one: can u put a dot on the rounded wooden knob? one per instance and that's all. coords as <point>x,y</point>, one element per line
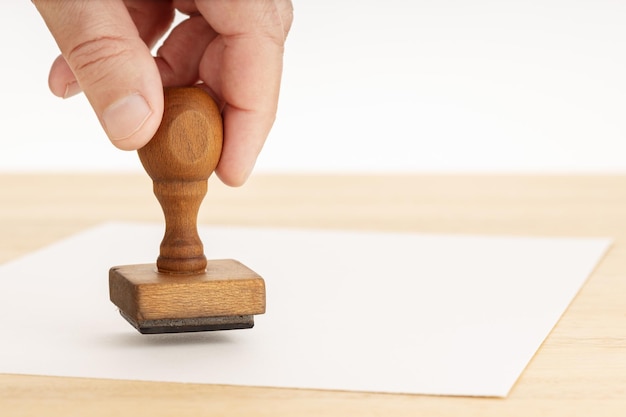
<point>180,158</point>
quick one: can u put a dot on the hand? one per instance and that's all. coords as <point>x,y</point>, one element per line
<point>234,47</point>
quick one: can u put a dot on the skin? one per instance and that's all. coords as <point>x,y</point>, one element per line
<point>233,48</point>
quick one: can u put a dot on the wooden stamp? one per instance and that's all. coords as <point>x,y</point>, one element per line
<point>183,292</point>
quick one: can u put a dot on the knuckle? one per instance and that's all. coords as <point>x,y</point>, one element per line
<point>285,12</point>
<point>278,18</point>
<point>91,58</point>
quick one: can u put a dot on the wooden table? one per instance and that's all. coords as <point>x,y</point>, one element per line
<point>579,371</point>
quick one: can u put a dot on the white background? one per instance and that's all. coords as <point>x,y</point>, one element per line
<point>488,86</point>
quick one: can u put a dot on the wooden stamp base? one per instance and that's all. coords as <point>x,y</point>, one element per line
<point>226,296</point>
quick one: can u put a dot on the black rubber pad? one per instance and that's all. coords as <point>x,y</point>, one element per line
<point>196,324</point>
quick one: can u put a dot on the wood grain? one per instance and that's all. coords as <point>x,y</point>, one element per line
<point>579,371</point>
<point>180,158</point>
<point>226,288</point>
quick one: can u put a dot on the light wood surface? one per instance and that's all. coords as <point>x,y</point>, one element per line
<point>579,371</point>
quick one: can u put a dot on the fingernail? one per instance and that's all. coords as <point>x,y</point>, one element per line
<point>72,89</point>
<point>125,116</point>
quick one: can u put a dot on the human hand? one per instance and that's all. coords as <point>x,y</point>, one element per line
<point>233,47</point>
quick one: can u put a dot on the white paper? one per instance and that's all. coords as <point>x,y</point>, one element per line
<point>406,313</point>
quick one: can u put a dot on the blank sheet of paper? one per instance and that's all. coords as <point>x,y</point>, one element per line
<point>406,313</point>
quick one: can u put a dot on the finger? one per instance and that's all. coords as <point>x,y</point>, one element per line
<point>187,7</point>
<point>152,20</point>
<point>244,66</point>
<point>179,56</point>
<point>61,80</point>
<point>112,65</point>
<point>244,136</point>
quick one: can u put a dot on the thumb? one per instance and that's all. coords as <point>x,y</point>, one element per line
<point>112,65</point>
